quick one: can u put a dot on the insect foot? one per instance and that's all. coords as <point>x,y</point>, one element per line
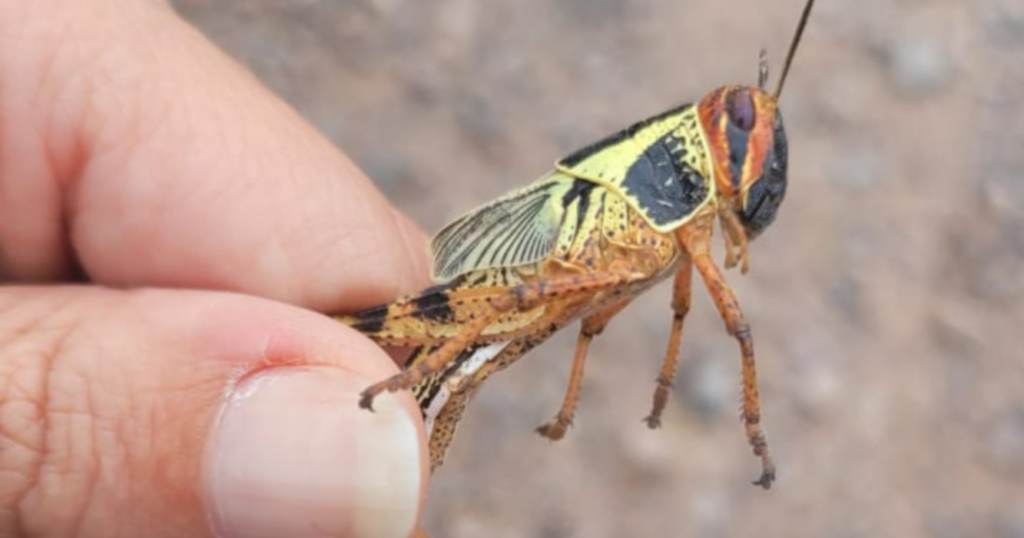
<point>661,393</point>
<point>366,400</point>
<point>767,477</point>
<point>394,383</point>
<point>555,429</point>
<point>760,445</point>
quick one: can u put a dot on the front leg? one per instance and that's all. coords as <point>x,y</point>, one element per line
<point>695,238</point>
<point>735,236</point>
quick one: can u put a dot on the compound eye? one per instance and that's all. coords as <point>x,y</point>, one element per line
<point>739,106</point>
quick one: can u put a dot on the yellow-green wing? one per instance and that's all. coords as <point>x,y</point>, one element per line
<point>517,229</point>
<point>659,165</point>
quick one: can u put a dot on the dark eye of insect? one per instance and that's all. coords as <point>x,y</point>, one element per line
<point>766,194</point>
<point>740,108</point>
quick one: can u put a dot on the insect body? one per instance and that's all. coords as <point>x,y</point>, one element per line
<point>610,221</point>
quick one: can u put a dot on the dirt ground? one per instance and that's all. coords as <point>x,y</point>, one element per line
<point>887,301</point>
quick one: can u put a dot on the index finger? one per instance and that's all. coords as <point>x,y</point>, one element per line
<point>136,151</point>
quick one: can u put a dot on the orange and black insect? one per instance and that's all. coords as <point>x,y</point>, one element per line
<point>610,221</point>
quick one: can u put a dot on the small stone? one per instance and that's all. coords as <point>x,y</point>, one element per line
<point>858,167</point>
<point>939,524</point>
<point>709,386</point>
<point>555,525</point>
<point>817,378</point>
<point>845,293</point>
<point>480,120</point>
<point>861,243</point>
<point>919,65</point>
<point>959,342</point>
<point>647,453</point>
<point>1009,522</point>
<point>1002,189</point>
<point>395,177</point>
<point>993,260</point>
<point>955,336</point>
<point>590,13</point>
<point>1006,442</point>
<point>1003,21</point>
<point>712,511</point>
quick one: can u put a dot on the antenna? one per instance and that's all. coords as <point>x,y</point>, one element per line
<point>762,70</point>
<point>792,47</point>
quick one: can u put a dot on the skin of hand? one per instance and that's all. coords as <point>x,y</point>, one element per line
<point>168,231</point>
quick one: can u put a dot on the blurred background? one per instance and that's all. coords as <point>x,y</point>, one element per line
<point>887,301</point>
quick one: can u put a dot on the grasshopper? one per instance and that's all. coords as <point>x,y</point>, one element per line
<point>609,222</point>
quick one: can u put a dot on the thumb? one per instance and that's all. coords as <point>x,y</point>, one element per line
<point>171,413</point>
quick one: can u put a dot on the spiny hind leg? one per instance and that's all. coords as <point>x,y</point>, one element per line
<point>680,307</point>
<point>461,386</point>
<point>521,297</point>
<point>590,327</point>
<point>445,424</point>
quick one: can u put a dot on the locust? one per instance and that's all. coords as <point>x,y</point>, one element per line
<point>610,221</point>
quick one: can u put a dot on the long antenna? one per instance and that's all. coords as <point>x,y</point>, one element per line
<point>762,70</point>
<point>792,47</point>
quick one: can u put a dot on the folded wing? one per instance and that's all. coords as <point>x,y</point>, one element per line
<point>517,229</point>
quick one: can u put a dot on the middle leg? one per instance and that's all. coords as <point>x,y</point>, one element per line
<point>680,307</point>
<point>590,327</point>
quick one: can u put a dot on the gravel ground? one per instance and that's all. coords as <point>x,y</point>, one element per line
<point>886,301</point>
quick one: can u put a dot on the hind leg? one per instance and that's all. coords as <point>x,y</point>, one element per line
<point>522,298</point>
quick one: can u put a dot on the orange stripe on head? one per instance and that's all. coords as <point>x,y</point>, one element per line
<point>738,121</point>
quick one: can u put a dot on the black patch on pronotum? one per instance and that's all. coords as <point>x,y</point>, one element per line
<point>665,186</point>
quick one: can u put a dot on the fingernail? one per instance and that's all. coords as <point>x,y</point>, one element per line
<point>293,455</point>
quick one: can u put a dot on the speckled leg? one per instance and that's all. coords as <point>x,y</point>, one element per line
<point>695,238</point>
<point>522,297</point>
<point>680,307</point>
<point>589,328</point>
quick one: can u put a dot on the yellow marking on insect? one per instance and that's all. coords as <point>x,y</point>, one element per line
<point>610,166</point>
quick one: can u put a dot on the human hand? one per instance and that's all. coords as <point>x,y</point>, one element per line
<point>141,163</point>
